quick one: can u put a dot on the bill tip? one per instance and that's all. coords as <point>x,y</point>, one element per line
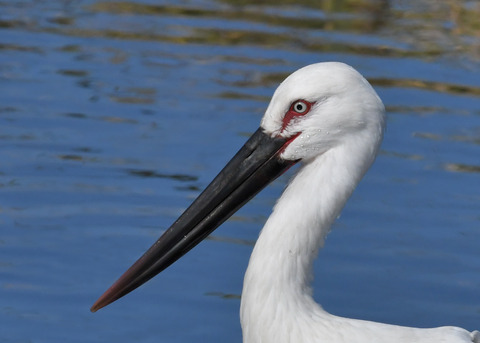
<point>95,308</point>
<point>100,303</point>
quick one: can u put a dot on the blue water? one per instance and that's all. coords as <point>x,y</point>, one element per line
<point>115,115</point>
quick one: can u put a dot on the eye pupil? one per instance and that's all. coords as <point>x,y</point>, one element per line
<point>300,107</point>
<point>297,108</point>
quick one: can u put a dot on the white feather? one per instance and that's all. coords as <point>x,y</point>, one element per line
<point>338,142</point>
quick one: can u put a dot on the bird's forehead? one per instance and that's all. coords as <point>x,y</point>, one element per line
<point>313,83</point>
<point>298,86</point>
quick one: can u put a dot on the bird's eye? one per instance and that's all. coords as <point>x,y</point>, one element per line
<point>300,106</point>
<point>297,109</point>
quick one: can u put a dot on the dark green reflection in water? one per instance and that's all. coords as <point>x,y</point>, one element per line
<point>238,12</point>
<point>428,28</point>
<point>459,167</point>
<point>151,173</point>
<point>424,29</point>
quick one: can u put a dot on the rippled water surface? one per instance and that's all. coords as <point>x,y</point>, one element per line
<point>114,115</point>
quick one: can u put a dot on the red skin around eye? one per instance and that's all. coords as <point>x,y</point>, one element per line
<point>292,113</point>
<point>289,116</point>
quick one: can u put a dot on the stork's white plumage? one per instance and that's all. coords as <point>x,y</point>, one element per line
<point>327,116</point>
<point>338,142</point>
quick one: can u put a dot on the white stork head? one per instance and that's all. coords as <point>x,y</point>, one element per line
<point>323,105</point>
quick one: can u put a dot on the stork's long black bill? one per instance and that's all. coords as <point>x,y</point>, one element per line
<point>255,165</point>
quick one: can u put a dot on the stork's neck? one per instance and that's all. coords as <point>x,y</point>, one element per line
<point>277,281</point>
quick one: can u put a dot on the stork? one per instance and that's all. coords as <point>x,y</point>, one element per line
<point>327,117</point>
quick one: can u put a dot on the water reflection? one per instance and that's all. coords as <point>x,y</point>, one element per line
<point>226,296</point>
<point>21,48</point>
<point>74,73</point>
<point>151,173</point>
<point>440,87</point>
<point>375,12</point>
<point>459,33</point>
<point>412,29</point>
<point>458,167</point>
